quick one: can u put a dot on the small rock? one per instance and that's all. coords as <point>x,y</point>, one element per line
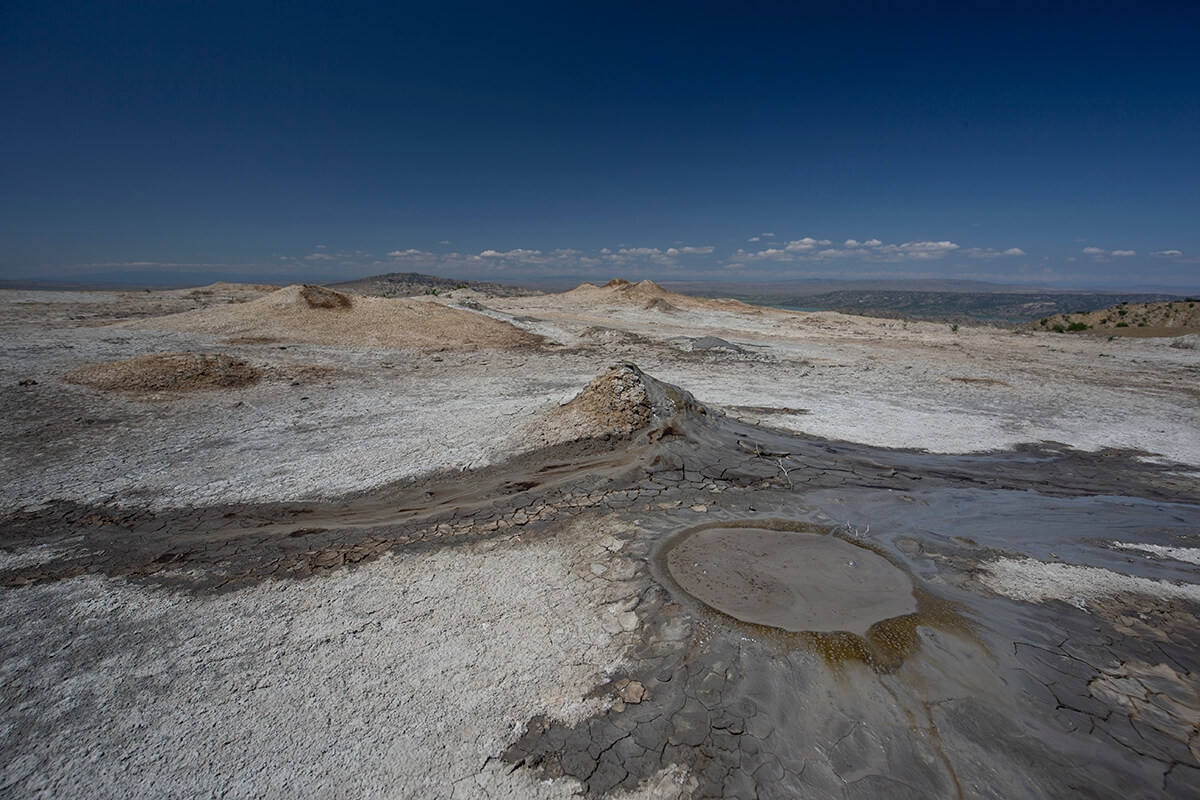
<point>630,691</point>
<point>699,509</point>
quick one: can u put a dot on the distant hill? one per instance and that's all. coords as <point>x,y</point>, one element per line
<point>953,306</point>
<point>1172,318</point>
<point>1015,306</point>
<point>408,284</point>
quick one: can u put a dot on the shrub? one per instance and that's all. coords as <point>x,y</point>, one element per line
<point>1058,329</point>
<point>1122,324</point>
<point>1078,326</point>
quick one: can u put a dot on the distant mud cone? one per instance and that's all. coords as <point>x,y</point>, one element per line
<point>652,297</point>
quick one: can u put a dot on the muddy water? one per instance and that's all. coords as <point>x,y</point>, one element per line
<point>792,581</point>
<point>928,683</point>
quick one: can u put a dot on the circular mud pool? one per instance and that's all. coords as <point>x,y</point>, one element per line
<point>801,582</point>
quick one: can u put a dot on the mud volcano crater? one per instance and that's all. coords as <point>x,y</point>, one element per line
<point>802,581</point>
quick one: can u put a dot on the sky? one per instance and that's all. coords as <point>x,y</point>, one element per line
<point>1048,143</point>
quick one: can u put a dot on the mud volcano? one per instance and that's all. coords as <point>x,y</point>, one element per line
<point>800,582</point>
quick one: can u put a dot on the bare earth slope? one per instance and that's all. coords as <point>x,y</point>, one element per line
<point>322,316</point>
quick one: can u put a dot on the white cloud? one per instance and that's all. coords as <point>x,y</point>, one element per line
<point>807,243</point>
<point>691,251</point>
<point>1167,253</point>
<point>410,253</point>
<point>834,252</point>
<point>768,235</point>
<point>927,249</point>
<point>320,257</point>
<point>515,253</point>
<point>1124,253</point>
<point>987,252</point>
<point>322,246</point>
<point>754,239</point>
<point>810,249</point>
<point>640,251</point>
<point>1094,251</point>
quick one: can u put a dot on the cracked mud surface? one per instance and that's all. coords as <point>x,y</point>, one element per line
<point>512,630</point>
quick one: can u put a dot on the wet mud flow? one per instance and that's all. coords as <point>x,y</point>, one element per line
<point>814,618</point>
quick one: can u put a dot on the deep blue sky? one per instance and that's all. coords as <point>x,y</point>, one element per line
<point>1054,142</point>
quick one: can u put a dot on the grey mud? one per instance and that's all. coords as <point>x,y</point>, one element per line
<point>935,687</point>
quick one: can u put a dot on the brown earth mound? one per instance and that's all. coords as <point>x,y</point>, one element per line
<point>650,295</point>
<point>613,404</point>
<point>319,315</point>
<point>1173,318</point>
<point>169,372</point>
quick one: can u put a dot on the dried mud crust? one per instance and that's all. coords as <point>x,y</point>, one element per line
<point>942,704</point>
<point>175,372</point>
<point>273,615</point>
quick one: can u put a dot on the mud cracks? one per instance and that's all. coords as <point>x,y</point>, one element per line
<point>944,690</point>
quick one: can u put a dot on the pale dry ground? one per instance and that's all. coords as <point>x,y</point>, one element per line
<point>162,693</point>
<point>909,385</point>
<point>403,678</point>
<point>382,414</point>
